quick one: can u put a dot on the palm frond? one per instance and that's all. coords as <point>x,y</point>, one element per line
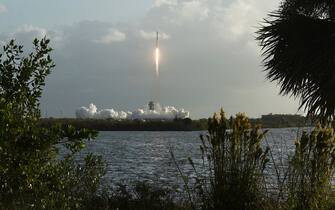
<point>299,54</point>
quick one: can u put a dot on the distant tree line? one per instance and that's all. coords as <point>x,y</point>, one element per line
<point>129,125</point>
<point>267,121</point>
<point>282,121</point>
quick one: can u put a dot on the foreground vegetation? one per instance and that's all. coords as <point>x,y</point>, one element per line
<point>31,175</point>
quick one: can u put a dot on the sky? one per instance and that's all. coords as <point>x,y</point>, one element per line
<point>104,53</point>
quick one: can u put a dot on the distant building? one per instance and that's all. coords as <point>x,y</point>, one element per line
<point>151,106</point>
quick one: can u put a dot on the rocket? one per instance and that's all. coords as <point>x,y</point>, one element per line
<point>156,39</point>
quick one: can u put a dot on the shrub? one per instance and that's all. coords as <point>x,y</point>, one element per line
<point>141,196</point>
<point>31,175</point>
<point>235,159</point>
<point>311,171</point>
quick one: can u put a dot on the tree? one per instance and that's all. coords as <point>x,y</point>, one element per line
<point>298,43</point>
<point>32,175</point>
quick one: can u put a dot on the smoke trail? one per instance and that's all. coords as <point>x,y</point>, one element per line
<point>157,61</point>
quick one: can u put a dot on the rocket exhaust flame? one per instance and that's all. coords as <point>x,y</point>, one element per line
<point>157,56</point>
<point>157,61</point>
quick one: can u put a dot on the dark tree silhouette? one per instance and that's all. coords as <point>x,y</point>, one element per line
<point>298,43</point>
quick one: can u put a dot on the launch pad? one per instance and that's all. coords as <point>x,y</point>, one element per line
<point>151,106</point>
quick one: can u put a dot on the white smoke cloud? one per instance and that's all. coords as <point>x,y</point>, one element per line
<point>160,113</point>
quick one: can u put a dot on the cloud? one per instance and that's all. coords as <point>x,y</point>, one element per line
<point>151,35</point>
<point>242,17</point>
<point>25,34</point>
<point>3,8</point>
<point>37,31</point>
<point>113,35</point>
<point>180,12</point>
<point>211,60</point>
<point>195,9</point>
<point>159,3</point>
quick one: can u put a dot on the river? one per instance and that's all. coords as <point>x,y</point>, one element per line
<point>143,155</point>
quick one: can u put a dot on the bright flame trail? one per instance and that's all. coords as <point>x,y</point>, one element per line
<point>157,55</point>
<point>157,61</point>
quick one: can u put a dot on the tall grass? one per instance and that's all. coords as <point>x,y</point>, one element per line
<point>237,170</point>
<point>311,171</point>
<point>235,159</point>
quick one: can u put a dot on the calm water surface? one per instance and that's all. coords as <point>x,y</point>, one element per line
<point>143,155</point>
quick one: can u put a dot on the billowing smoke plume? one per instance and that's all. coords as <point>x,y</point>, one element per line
<point>160,113</point>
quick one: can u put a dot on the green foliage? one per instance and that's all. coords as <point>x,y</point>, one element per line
<point>131,125</point>
<point>283,121</point>
<point>311,171</point>
<point>31,175</point>
<point>142,196</point>
<point>237,169</point>
<point>236,161</point>
<point>298,45</point>
<point>267,121</point>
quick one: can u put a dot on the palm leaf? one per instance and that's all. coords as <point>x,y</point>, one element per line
<point>300,56</point>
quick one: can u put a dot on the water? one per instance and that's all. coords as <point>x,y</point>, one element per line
<point>142,155</point>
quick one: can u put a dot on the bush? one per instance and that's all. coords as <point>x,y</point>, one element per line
<point>141,196</point>
<point>31,175</point>
<point>235,159</point>
<point>311,171</point>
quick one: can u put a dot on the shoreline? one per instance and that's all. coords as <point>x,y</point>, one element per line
<point>266,121</point>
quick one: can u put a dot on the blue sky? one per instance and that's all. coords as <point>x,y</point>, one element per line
<point>103,51</point>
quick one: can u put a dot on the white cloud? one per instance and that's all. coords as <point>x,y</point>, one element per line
<point>233,20</point>
<point>38,31</point>
<point>148,35</point>
<point>195,9</point>
<point>242,17</point>
<point>25,34</point>
<point>113,35</point>
<point>178,12</point>
<point>3,8</point>
<point>159,3</point>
